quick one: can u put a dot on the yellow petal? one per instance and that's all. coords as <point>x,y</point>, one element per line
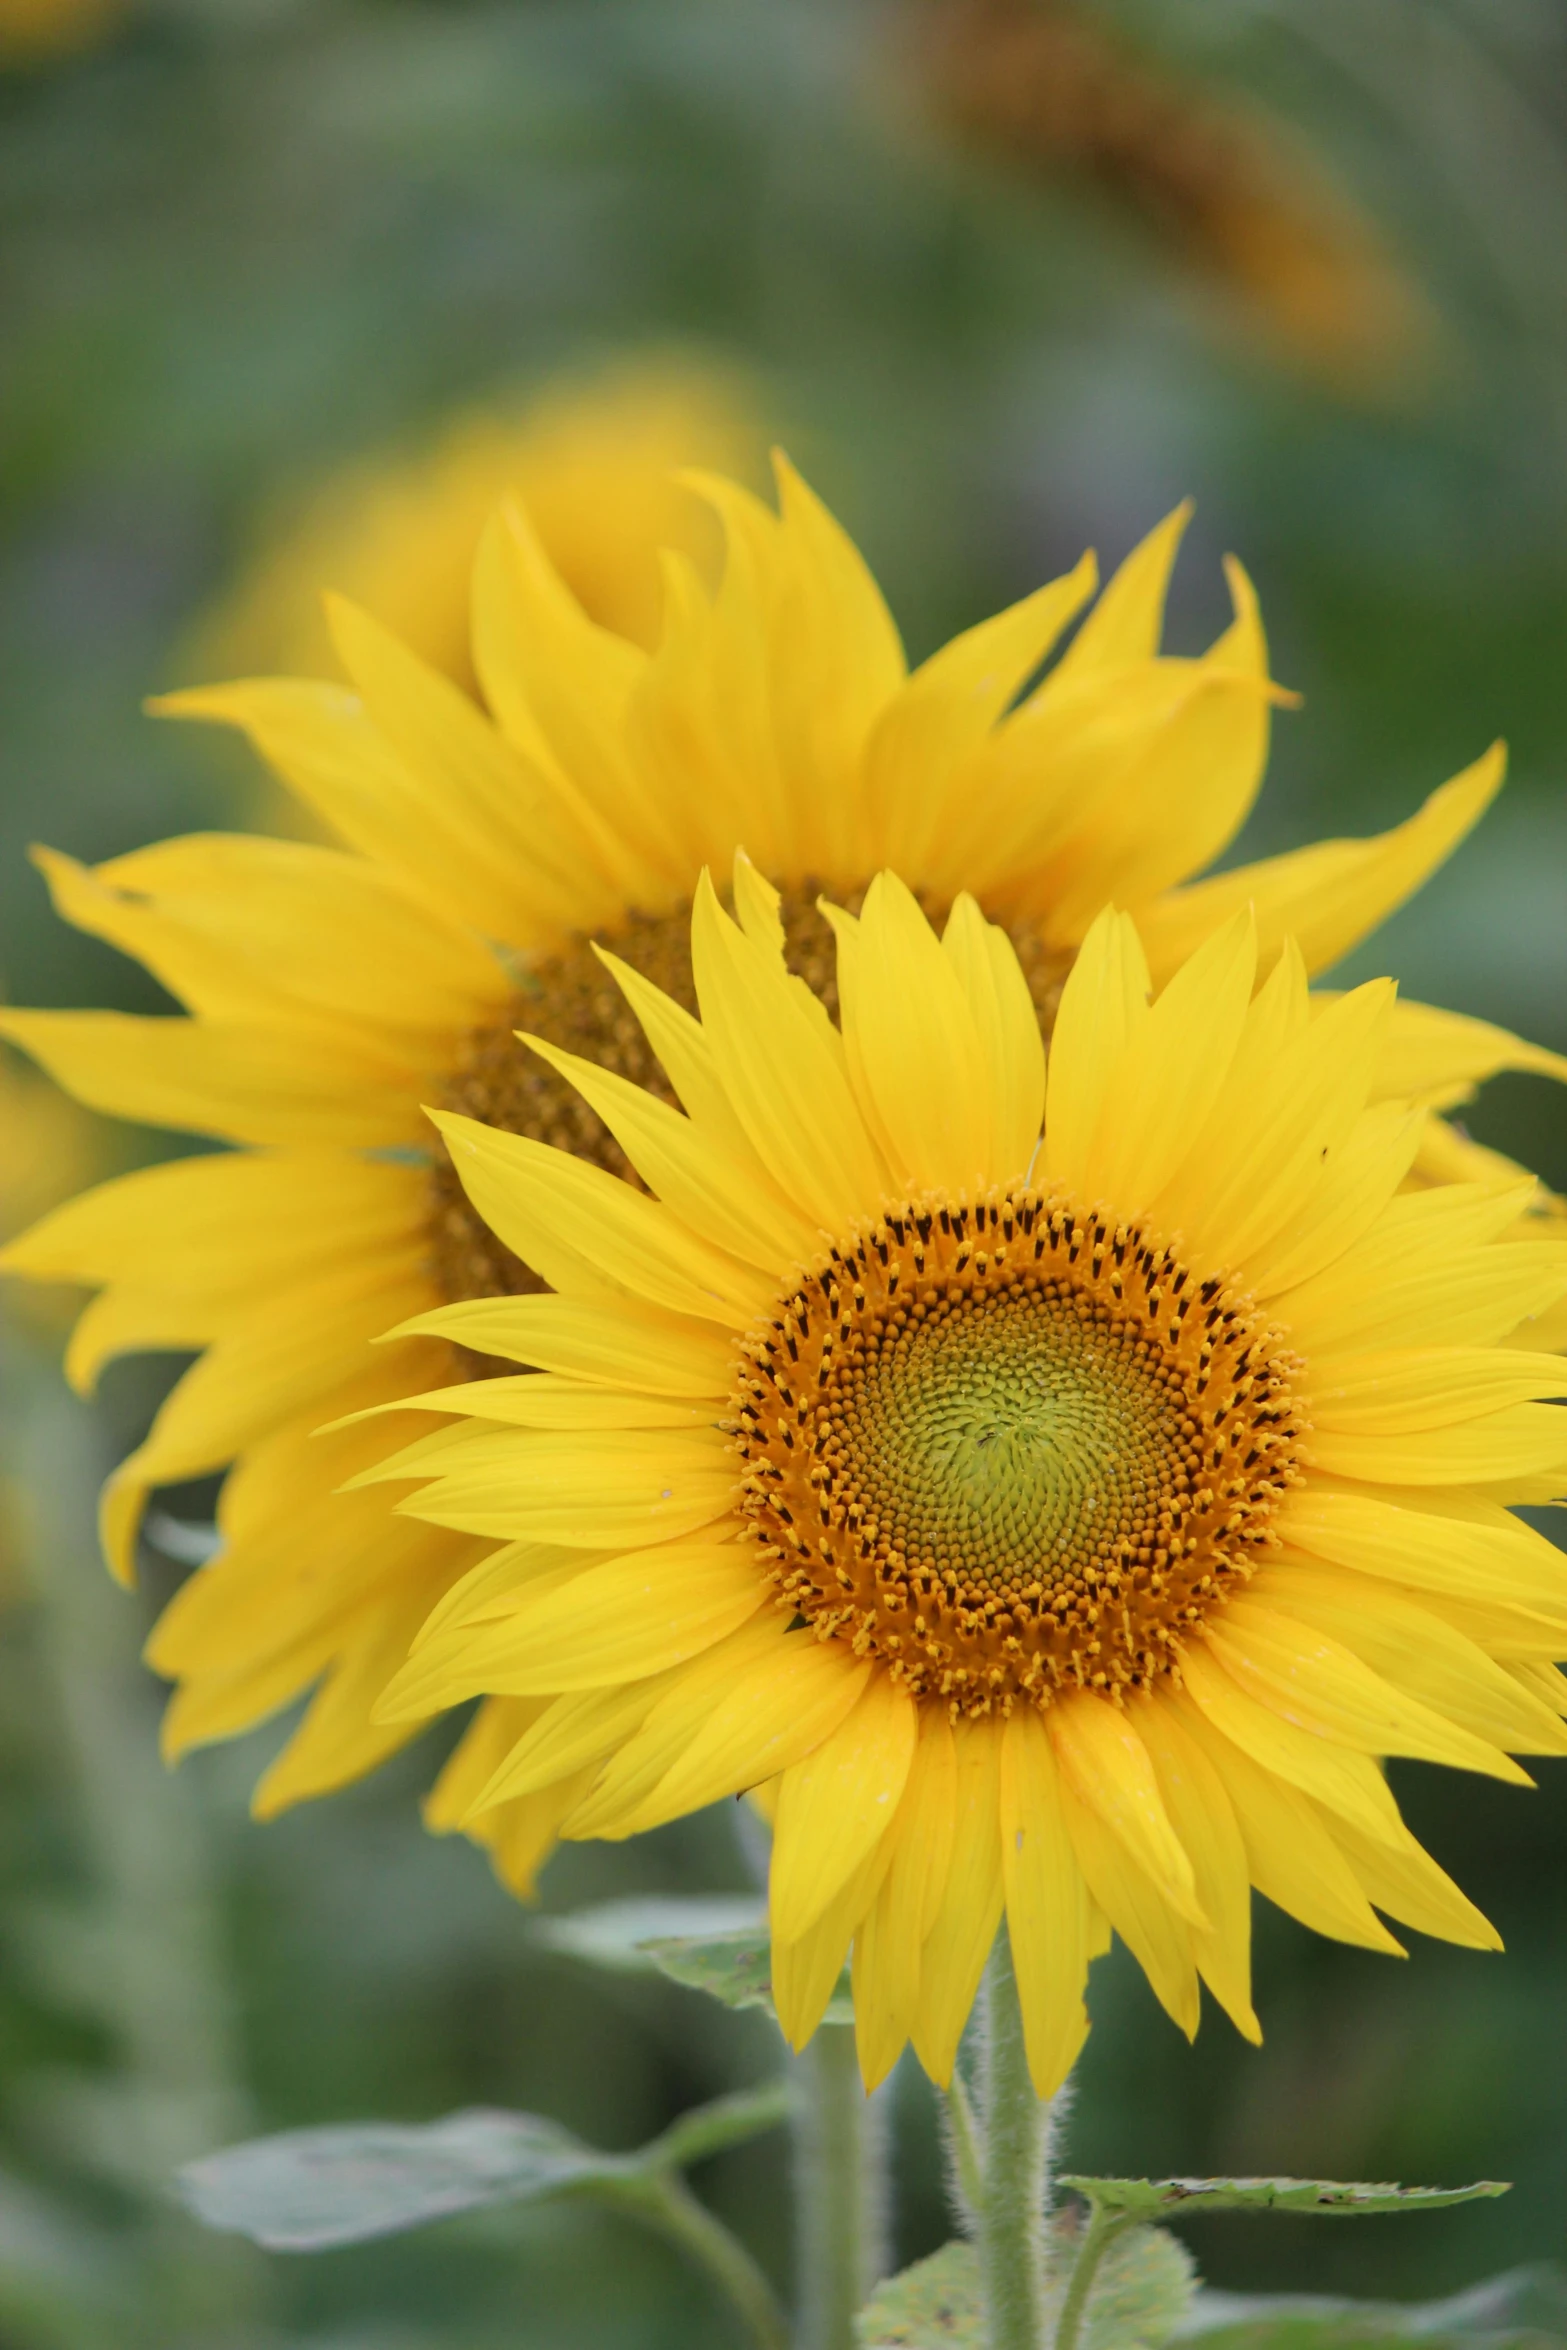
<point>783,1071</point>
<point>1104,1006</point>
<point>971,1902</point>
<point>892,1935</point>
<point>1416,1651</point>
<point>836,1804</point>
<point>1108,1767</point>
<point>1349,1784</point>
<point>321,744</point>
<point>282,1082</point>
<point>1327,897</point>
<point>711,1188</point>
<point>1406,1882</point>
<point>917,1048</point>
<point>1008,1027</point>
<point>1429,1055</point>
<point>1292,1853</point>
<point>618,1344</point>
<point>1047,1902</point>
<point>915,759</point>
<point>587,1232</point>
<point>1158,1938</point>
<point>805,1971</point>
<point>709,1738</point>
<point>1204,1819</point>
<point>1320,1687</point>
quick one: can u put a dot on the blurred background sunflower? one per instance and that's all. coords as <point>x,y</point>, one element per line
<point>287,295</point>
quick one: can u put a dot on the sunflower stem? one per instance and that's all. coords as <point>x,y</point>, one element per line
<point>1015,2200</point>
<point>1102,2229</point>
<point>663,2199</point>
<point>839,2190</point>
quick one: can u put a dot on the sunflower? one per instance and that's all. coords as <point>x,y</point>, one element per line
<point>595,461</point>
<point>1057,1496</point>
<point>331,991</point>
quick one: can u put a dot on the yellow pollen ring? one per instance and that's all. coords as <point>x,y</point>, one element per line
<point>1009,1448</point>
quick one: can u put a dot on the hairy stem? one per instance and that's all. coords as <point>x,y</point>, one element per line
<point>839,2192</point>
<point>1102,2229</point>
<point>1011,2239</point>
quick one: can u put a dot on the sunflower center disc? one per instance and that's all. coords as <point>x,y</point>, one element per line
<point>571,1000</point>
<point>1010,1449</point>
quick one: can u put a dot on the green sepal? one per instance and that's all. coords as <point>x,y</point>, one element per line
<point>1167,2198</point>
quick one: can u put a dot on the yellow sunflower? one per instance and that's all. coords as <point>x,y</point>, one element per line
<point>1058,1496</point>
<point>595,461</point>
<point>331,991</point>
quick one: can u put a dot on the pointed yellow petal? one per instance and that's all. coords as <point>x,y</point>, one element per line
<point>618,1344</point>
<point>971,1902</point>
<point>1330,896</point>
<point>1108,1766</point>
<point>1202,1816</point>
<point>837,1803</point>
<point>1104,1005</point>
<point>1047,1902</point>
<point>1292,1852</point>
<point>588,1233</point>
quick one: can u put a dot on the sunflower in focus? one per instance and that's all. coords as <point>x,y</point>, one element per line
<point>595,462</point>
<point>487,849</point>
<point>1056,1495</point>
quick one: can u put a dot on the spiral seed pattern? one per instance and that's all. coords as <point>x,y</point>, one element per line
<point>1008,1448</point>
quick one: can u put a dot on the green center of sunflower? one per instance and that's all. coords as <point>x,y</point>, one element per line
<point>1008,1448</point>
<point>571,1000</point>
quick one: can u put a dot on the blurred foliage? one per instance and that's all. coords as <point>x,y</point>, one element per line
<point>245,243</point>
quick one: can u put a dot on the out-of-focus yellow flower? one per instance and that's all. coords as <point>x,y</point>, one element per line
<point>595,463</point>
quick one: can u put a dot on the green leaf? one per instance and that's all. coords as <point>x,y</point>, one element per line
<point>615,1934</point>
<point>306,2190</point>
<point>1145,2289</point>
<point>736,1968</point>
<point>1163,2198</point>
<point>933,2305</point>
<point>1142,2293</point>
<point>1525,2309</point>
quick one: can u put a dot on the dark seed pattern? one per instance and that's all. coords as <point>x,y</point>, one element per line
<point>1010,1450</point>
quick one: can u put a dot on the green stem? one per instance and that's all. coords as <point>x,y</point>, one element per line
<point>1102,2229</point>
<point>667,2203</point>
<point>1011,2240</point>
<point>839,2167</point>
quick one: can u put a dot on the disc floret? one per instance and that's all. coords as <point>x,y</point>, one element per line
<point>1009,1447</point>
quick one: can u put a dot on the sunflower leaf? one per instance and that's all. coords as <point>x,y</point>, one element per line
<point>1525,2309</point>
<point>736,1968</point>
<point>1143,2292</point>
<point>308,2190</point>
<point>614,1935</point>
<point>935,2305</point>
<point>1166,2198</point>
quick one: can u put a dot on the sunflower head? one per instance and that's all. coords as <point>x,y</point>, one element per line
<point>1051,1492</point>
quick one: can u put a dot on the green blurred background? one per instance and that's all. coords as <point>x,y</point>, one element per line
<point>1305,259</point>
